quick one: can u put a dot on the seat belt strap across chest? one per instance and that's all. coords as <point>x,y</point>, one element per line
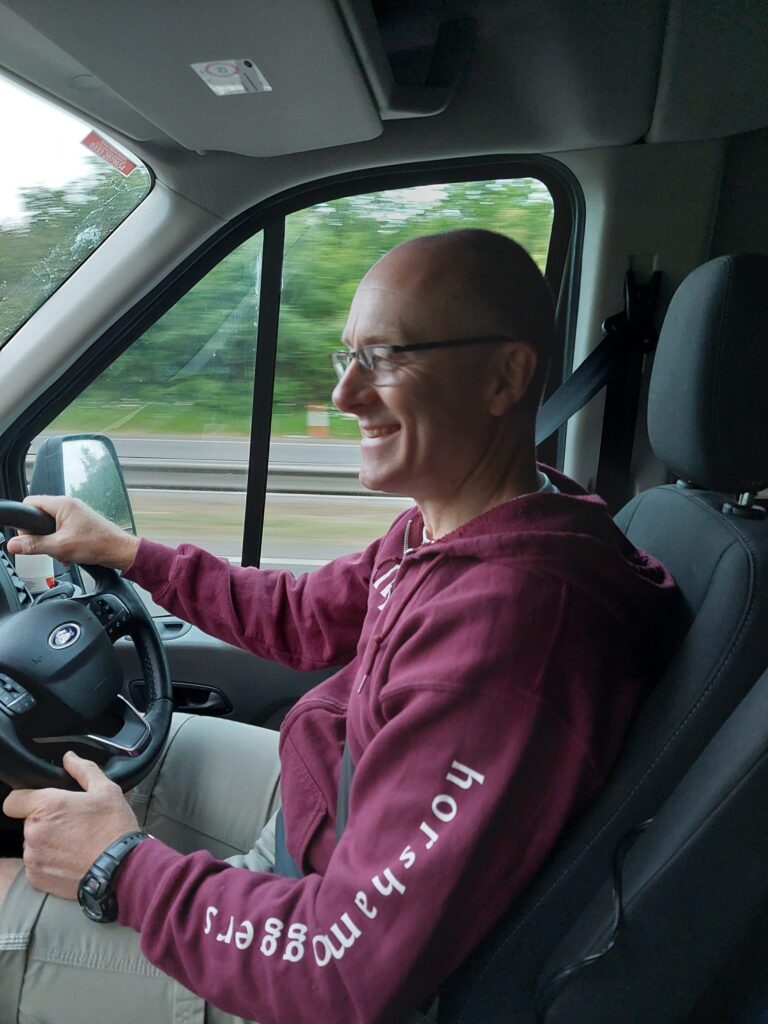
<point>584,383</point>
<point>285,865</point>
<point>346,772</point>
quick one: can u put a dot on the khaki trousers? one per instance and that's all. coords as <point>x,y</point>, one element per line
<point>215,788</point>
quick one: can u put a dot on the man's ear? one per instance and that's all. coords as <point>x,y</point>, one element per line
<point>516,366</point>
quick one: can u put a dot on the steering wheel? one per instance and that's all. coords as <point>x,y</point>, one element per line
<point>60,678</point>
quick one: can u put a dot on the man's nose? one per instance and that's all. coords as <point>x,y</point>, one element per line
<point>353,389</point>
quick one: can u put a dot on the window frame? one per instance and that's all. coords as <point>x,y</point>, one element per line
<point>563,272</point>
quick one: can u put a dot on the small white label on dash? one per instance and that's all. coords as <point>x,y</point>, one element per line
<point>232,77</point>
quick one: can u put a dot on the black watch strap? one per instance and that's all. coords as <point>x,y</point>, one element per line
<point>96,894</point>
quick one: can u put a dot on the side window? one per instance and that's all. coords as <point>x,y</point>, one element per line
<point>177,405</point>
<point>61,193</point>
<point>316,508</point>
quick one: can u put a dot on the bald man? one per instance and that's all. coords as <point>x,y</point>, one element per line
<point>495,643</point>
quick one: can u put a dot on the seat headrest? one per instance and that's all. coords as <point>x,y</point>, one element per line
<point>708,399</point>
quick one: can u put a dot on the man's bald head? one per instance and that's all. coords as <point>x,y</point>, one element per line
<point>469,283</point>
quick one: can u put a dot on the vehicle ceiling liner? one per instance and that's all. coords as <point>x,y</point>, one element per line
<point>528,76</point>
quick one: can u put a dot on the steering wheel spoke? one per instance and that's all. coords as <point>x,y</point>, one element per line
<point>131,739</point>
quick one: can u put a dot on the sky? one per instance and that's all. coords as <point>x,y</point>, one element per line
<point>41,146</point>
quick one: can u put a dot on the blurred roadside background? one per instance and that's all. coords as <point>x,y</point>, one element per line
<point>178,402</point>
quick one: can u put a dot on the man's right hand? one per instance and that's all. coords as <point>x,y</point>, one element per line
<point>82,535</point>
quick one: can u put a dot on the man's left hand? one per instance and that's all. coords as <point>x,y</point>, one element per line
<point>65,832</point>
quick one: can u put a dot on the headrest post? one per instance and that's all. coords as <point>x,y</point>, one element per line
<point>745,507</point>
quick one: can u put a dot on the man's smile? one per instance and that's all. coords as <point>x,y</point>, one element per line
<point>374,433</point>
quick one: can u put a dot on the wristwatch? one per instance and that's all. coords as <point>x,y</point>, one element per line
<point>96,894</point>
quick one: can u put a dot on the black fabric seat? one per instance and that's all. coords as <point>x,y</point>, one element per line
<point>708,421</point>
<point>694,883</point>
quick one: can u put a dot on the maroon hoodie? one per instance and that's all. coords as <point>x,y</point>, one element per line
<point>489,680</point>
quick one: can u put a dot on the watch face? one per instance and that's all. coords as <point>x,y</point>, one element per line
<point>91,906</point>
<point>94,896</point>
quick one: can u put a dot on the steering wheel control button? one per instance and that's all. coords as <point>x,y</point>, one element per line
<point>14,699</point>
<point>64,636</point>
<point>111,613</point>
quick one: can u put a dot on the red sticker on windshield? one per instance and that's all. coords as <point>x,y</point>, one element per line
<point>108,152</point>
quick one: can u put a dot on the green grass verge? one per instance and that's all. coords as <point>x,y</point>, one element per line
<point>179,420</point>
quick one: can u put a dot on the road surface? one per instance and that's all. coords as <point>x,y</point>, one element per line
<point>301,452</point>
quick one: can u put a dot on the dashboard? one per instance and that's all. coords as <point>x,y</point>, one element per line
<point>13,597</point>
<point>13,591</point>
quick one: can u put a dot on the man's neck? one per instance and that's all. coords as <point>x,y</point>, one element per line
<point>475,497</point>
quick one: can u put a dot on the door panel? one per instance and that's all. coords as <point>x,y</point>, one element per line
<point>257,691</point>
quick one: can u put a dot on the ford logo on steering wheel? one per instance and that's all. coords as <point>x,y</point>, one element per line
<point>64,636</point>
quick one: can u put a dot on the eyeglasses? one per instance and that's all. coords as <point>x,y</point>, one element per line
<point>381,363</point>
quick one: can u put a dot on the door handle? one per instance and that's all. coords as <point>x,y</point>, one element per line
<point>192,698</point>
<point>199,700</point>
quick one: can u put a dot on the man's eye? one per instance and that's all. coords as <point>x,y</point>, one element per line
<point>369,358</point>
<point>382,359</point>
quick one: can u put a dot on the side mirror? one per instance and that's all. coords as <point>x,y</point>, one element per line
<point>84,466</point>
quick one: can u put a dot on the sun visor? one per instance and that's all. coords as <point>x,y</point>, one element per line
<point>714,71</point>
<point>36,61</point>
<point>259,79</point>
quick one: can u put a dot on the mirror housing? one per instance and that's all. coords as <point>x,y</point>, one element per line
<point>84,466</point>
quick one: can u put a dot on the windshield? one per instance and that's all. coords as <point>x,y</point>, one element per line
<point>64,187</point>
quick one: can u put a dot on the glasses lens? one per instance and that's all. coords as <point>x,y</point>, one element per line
<point>380,363</point>
<point>375,361</point>
<point>341,360</point>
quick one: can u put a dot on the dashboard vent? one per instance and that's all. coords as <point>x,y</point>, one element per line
<point>22,594</point>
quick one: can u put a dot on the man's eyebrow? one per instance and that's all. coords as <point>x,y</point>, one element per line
<point>367,344</point>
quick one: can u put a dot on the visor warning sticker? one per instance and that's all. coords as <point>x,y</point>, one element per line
<point>108,152</point>
<point>231,77</point>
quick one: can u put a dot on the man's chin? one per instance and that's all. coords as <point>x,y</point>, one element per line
<point>379,482</point>
<point>370,482</point>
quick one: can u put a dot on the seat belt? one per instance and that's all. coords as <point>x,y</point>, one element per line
<point>627,337</point>
<point>284,863</point>
<point>622,396</point>
<point>584,383</point>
